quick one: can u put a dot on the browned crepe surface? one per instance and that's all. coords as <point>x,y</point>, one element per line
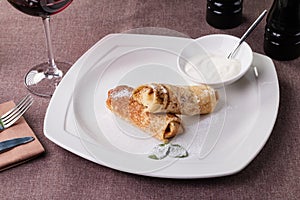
<point>186,100</point>
<point>160,126</point>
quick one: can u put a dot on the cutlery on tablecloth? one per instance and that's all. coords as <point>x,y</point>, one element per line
<point>9,144</point>
<point>10,117</point>
<point>18,155</point>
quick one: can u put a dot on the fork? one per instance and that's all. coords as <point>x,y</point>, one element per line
<point>15,113</point>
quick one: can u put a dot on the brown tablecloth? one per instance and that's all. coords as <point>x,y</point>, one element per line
<point>59,174</point>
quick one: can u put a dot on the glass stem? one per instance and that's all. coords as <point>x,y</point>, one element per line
<point>46,22</point>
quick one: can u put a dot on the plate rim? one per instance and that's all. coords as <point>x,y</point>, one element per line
<point>60,143</point>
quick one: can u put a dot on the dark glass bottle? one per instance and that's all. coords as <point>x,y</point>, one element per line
<point>282,31</point>
<point>224,14</point>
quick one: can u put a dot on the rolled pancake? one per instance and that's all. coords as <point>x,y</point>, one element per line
<point>185,100</point>
<point>160,126</point>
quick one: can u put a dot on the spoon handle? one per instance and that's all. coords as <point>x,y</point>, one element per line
<point>249,30</point>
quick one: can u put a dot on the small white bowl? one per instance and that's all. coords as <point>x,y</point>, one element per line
<point>219,45</point>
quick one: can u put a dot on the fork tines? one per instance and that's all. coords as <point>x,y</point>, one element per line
<point>15,113</point>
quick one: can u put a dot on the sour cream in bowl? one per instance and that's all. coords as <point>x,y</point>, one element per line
<point>204,60</point>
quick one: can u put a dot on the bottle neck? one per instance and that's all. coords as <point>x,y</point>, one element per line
<point>284,15</point>
<point>282,32</point>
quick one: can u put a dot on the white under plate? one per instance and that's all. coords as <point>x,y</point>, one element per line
<point>219,144</point>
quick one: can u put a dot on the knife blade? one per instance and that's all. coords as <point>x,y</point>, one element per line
<point>9,144</point>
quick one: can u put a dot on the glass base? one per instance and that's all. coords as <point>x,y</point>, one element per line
<point>42,79</point>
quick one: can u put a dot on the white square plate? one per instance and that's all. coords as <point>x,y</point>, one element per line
<point>220,144</point>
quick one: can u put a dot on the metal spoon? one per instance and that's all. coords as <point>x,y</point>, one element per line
<point>247,33</point>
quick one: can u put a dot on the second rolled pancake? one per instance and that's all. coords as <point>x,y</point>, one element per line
<point>160,126</point>
<point>186,100</point>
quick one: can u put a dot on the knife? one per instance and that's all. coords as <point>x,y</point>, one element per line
<point>9,144</point>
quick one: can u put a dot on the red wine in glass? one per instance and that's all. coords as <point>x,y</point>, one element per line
<point>43,79</point>
<point>40,8</point>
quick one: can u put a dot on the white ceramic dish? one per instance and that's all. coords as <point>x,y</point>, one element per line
<point>219,45</point>
<point>225,153</point>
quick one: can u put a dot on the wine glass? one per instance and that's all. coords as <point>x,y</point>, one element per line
<point>43,78</point>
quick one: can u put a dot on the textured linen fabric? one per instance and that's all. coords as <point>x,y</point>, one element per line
<point>59,174</point>
<point>22,153</point>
